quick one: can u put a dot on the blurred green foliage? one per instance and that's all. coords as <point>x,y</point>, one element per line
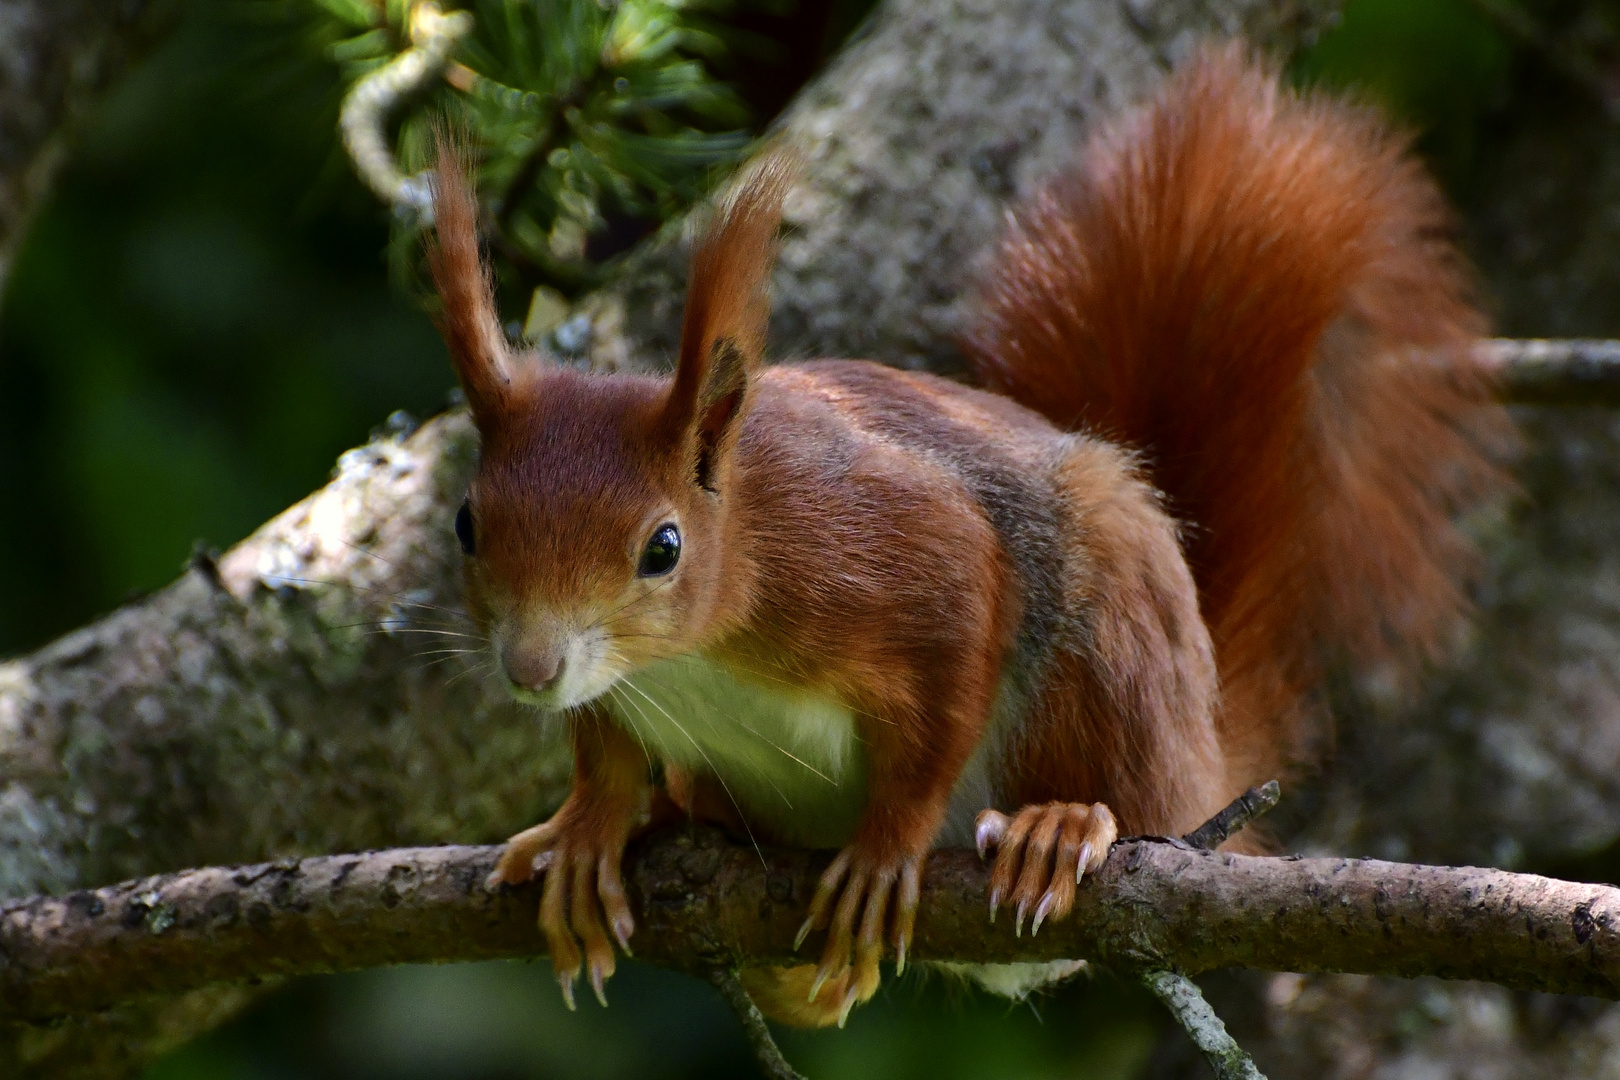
<point>506,1021</point>
<point>201,321</point>
<point>197,325</point>
<point>1437,66</point>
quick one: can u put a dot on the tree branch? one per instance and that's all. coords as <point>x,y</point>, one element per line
<point>755,1029</point>
<point>1566,372</point>
<point>704,902</point>
<point>1186,1003</point>
<point>1235,817</point>
<point>1179,994</point>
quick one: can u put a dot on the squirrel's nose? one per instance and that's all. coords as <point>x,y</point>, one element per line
<point>533,669</point>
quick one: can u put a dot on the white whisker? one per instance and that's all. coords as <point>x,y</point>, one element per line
<point>627,682</point>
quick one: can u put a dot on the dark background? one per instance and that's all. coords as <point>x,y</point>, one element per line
<point>201,321</point>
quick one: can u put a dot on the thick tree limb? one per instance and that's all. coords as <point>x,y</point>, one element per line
<point>703,902</point>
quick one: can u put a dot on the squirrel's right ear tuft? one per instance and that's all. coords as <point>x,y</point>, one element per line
<point>727,308</point>
<point>467,318</point>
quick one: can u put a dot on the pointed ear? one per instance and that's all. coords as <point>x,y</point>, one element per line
<point>467,318</point>
<point>727,308</point>
<point>717,420</point>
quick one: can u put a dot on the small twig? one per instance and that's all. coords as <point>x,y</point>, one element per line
<point>1559,372</point>
<point>364,116</point>
<point>758,1032</point>
<point>1242,810</point>
<point>1186,1003</point>
<point>1179,993</point>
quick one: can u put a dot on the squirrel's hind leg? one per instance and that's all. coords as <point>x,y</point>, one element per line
<point>783,994</point>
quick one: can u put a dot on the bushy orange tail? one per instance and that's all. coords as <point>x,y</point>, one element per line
<point>1254,290</point>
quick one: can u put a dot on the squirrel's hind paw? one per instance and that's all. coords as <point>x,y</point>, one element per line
<point>865,889</point>
<point>1042,852</point>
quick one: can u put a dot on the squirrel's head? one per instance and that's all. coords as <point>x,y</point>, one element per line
<point>597,526</point>
<point>595,530</point>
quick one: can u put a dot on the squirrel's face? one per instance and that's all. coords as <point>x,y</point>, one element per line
<point>592,548</point>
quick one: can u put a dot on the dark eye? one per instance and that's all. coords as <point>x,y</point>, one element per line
<point>661,553</point>
<point>464,529</point>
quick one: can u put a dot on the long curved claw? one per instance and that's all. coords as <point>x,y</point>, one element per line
<point>565,954</point>
<point>582,900</point>
<point>1009,858</point>
<point>905,912</point>
<point>586,922</point>
<point>869,940</point>
<point>1036,871</point>
<point>1042,853</point>
<point>610,890</point>
<point>989,829</point>
<point>835,957</point>
<point>832,880</point>
<point>862,902</point>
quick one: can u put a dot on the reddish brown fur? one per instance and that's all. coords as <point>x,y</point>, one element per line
<point>467,318</point>
<point>1130,704</point>
<point>880,583</point>
<point>1254,290</point>
<point>728,285</point>
<point>1233,283</point>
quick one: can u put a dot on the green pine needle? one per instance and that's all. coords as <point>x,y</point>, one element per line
<point>592,122</point>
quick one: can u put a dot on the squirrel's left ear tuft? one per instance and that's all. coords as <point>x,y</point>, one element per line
<point>727,309</point>
<point>467,320</point>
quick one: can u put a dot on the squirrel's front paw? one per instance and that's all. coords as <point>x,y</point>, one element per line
<point>866,885</point>
<point>1041,854</point>
<point>583,883</point>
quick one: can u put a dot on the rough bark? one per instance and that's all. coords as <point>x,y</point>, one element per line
<point>56,59</point>
<point>286,699</point>
<point>703,902</point>
<point>289,698</point>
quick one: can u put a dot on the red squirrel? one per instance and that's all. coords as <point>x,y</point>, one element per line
<point>1224,424</point>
